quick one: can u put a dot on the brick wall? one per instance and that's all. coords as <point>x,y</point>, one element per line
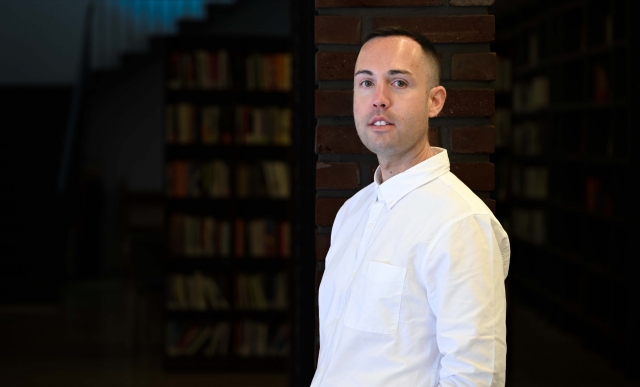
<point>461,31</point>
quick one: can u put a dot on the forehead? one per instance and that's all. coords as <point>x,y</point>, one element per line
<point>391,53</point>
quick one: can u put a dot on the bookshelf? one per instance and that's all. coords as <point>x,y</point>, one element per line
<point>565,169</point>
<point>228,164</point>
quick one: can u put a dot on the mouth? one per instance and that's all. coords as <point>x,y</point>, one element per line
<point>380,122</point>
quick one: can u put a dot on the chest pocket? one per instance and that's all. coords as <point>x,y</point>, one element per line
<point>375,299</point>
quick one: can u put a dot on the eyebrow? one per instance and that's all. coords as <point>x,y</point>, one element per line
<point>390,72</point>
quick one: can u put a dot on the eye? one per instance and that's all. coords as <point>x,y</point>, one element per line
<point>366,83</point>
<point>400,83</point>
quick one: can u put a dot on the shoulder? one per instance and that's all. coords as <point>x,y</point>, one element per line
<point>355,204</point>
<point>443,201</point>
<point>357,201</point>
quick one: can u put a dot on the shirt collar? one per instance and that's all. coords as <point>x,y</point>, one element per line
<point>394,189</point>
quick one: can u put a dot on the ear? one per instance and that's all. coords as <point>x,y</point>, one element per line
<point>437,96</point>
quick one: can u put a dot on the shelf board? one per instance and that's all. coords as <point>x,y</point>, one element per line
<point>186,265</point>
<point>276,208</point>
<point>229,97</point>
<point>236,151</point>
<point>226,315</point>
<point>232,363</point>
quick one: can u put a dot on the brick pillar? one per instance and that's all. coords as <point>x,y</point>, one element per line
<point>461,31</point>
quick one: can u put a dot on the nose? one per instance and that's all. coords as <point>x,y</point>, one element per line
<point>381,98</point>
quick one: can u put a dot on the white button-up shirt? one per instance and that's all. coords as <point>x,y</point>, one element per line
<point>413,289</point>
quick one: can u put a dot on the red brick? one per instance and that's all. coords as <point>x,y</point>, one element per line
<point>491,204</point>
<point>323,242</point>
<point>469,103</point>
<point>471,3</point>
<point>478,176</point>
<point>331,66</point>
<point>445,29</point>
<point>335,65</point>
<point>376,3</point>
<point>337,175</point>
<point>339,140</point>
<point>481,139</point>
<point>326,210</point>
<point>334,103</point>
<point>337,29</point>
<point>479,66</point>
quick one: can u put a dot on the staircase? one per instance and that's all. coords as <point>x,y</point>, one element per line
<point>45,237</point>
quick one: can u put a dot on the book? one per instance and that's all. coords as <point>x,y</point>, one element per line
<point>198,341</point>
<point>196,292</point>
<point>210,125</point>
<point>255,339</point>
<point>220,338</point>
<point>204,80</point>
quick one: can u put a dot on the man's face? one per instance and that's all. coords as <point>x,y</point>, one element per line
<point>391,96</point>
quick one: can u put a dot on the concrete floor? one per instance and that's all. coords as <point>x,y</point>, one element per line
<point>104,334</point>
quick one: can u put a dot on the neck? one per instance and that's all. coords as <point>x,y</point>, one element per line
<point>391,166</point>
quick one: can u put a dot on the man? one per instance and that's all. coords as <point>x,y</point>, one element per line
<point>413,288</point>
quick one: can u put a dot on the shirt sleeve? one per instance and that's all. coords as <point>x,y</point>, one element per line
<point>465,288</point>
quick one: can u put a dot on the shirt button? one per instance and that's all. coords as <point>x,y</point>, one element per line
<point>320,370</point>
<point>370,226</point>
<point>352,275</point>
<point>335,322</point>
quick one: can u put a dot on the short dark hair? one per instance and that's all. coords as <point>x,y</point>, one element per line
<point>427,47</point>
